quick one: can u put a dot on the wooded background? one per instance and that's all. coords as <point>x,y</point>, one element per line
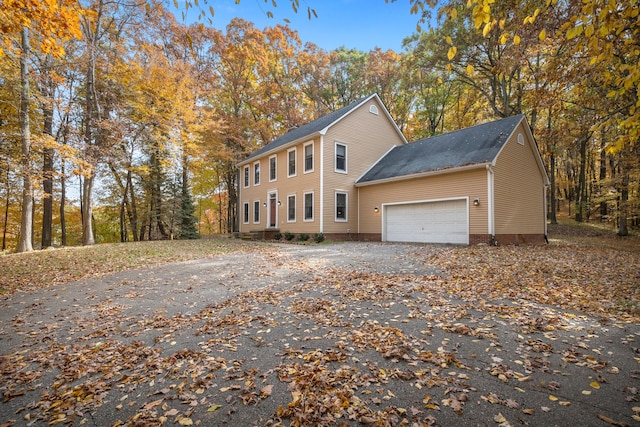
<point>120,123</point>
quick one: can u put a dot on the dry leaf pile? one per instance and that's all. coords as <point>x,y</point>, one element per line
<point>503,336</point>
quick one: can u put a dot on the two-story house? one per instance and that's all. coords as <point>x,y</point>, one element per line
<point>351,174</point>
<point>304,181</point>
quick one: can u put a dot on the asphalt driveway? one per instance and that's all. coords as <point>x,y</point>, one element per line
<point>337,334</point>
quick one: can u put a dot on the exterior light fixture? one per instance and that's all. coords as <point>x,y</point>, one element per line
<point>279,203</point>
<point>264,204</point>
<point>476,202</point>
<point>376,210</point>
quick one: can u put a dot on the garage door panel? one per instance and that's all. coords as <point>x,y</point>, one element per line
<point>428,222</point>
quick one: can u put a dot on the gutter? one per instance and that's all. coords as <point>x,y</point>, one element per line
<point>424,174</point>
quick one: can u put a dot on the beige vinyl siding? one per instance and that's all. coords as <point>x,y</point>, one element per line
<point>285,186</point>
<point>519,188</point>
<point>471,184</point>
<point>367,137</point>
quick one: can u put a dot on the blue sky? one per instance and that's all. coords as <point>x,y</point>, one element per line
<point>360,24</point>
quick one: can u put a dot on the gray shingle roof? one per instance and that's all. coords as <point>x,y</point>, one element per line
<point>308,129</point>
<point>475,145</point>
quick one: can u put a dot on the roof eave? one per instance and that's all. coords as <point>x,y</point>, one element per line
<point>305,138</point>
<point>425,174</point>
<point>321,132</point>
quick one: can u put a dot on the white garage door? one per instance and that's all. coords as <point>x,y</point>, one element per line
<point>429,222</point>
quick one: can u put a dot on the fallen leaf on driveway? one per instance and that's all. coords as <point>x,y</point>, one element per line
<point>612,422</point>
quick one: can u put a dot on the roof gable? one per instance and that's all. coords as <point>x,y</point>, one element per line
<point>309,130</point>
<point>476,145</point>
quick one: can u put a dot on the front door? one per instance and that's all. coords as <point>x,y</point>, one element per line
<point>272,210</point>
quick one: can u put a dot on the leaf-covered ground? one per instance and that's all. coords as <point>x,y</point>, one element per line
<point>36,270</point>
<point>337,334</point>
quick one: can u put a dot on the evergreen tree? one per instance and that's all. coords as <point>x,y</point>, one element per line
<point>188,228</point>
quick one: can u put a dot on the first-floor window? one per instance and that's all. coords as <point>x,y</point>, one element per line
<point>256,212</point>
<point>308,206</point>
<point>291,208</point>
<point>245,213</point>
<point>341,206</point>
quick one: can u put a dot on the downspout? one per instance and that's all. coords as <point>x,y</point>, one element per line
<point>321,183</point>
<point>358,218</point>
<point>544,214</point>
<point>491,205</point>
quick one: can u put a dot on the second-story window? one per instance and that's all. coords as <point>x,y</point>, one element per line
<point>246,176</point>
<point>272,168</point>
<point>291,156</point>
<point>256,173</point>
<point>341,157</point>
<point>308,157</point>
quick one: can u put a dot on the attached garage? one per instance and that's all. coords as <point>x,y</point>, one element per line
<point>479,185</point>
<point>442,221</point>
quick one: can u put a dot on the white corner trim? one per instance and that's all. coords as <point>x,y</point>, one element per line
<point>321,183</point>
<point>490,201</point>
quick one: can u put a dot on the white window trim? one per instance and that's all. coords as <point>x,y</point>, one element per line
<point>275,157</point>
<point>246,178</point>
<point>304,157</point>
<point>253,212</point>
<point>346,206</point>
<point>295,210</point>
<point>257,182</point>
<point>295,162</point>
<point>335,157</point>
<point>247,206</point>
<point>304,206</point>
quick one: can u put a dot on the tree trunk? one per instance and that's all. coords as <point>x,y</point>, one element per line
<point>125,206</point>
<point>552,184</point>
<point>552,171</point>
<point>232,203</point>
<point>63,190</point>
<point>624,194</point>
<point>6,215</point>
<point>604,211</point>
<point>581,190</point>
<point>26,219</point>
<point>90,111</point>
<point>47,170</point>
<point>87,211</point>
<point>133,219</point>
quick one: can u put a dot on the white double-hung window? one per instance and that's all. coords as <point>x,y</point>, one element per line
<point>341,206</point>
<point>341,158</point>
<point>308,157</point>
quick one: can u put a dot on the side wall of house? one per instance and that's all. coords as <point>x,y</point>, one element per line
<point>367,136</point>
<point>519,192</point>
<point>471,184</point>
